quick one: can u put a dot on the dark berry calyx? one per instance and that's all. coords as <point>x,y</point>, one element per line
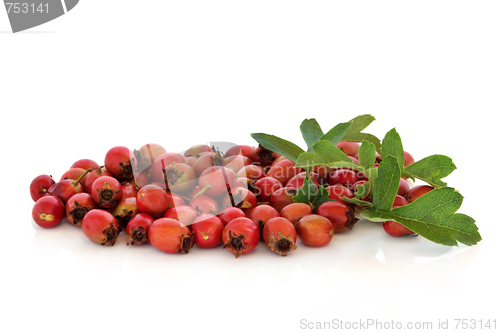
<point>78,213</point>
<point>187,243</point>
<point>110,235</point>
<point>281,245</point>
<point>235,243</point>
<point>126,171</point>
<point>138,236</point>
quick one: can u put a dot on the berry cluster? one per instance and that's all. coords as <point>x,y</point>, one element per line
<point>205,197</point>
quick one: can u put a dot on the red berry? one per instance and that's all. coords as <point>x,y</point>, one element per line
<point>252,172</point>
<point>349,148</point>
<point>74,173</point>
<point>237,162</point>
<point>280,235</point>
<point>125,211</point>
<point>92,176</point>
<point>244,150</point>
<point>48,212</point>
<point>315,230</point>
<point>393,228</point>
<point>85,164</point>
<point>153,200</point>
<point>404,187</point>
<point>40,185</point>
<point>282,197</point>
<point>65,189</point>
<point>344,177</point>
<point>204,205</point>
<point>265,187</point>
<point>336,192</point>
<point>78,206</point>
<point>298,180</point>
<point>229,214</point>
<point>341,216</point>
<point>162,162</point>
<point>364,193</point>
<point>241,198</point>
<point>216,181</point>
<point>283,171</point>
<point>170,236</point>
<point>207,230</point>
<point>184,214</point>
<point>176,200</point>
<point>179,178</point>
<point>107,191</point>
<point>117,162</point>
<point>138,228</point>
<point>263,156</point>
<point>240,236</point>
<point>296,211</point>
<point>196,150</point>
<point>417,191</point>
<point>100,227</point>
<point>263,213</point>
<point>408,159</point>
<point>147,154</point>
<point>129,190</point>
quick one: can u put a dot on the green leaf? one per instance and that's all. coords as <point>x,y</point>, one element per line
<point>431,169</point>
<point>359,123</point>
<point>362,190</point>
<point>336,134</point>
<point>311,132</point>
<point>324,153</point>
<point>311,194</point>
<point>386,184</point>
<point>433,217</point>
<point>392,146</point>
<point>278,145</point>
<point>366,154</point>
<point>357,201</point>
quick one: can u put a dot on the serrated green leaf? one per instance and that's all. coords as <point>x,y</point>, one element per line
<point>363,190</point>
<point>336,134</point>
<point>311,194</point>
<point>392,146</point>
<point>324,153</point>
<point>278,145</point>
<point>359,123</point>
<point>431,169</point>
<point>357,201</point>
<point>386,184</point>
<point>311,132</point>
<point>366,154</point>
<point>433,217</point>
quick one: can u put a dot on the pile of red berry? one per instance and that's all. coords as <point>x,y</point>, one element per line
<point>205,197</point>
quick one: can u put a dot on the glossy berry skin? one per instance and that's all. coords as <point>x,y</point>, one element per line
<point>263,213</point>
<point>196,150</point>
<point>393,228</point>
<point>344,177</point>
<point>349,148</point>
<point>162,162</point>
<point>404,187</point>
<point>92,176</point>
<point>78,206</point>
<point>100,227</point>
<point>361,190</point>
<point>74,173</point>
<point>298,180</point>
<point>138,228</point>
<point>229,214</point>
<point>252,172</point>
<point>280,235</point>
<point>417,191</point>
<point>184,214</point>
<point>315,230</point>
<point>48,212</point>
<point>336,192</point>
<point>171,236</point>
<point>216,181</point>
<point>40,185</point>
<point>207,230</point>
<point>266,186</point>
<point>241,198</point>
<point>107,192</point>
<point>240,236</point>
<point>125,211</point>
<point>341,216</point>
<point>117,162</point>
<point>237,162</point>
<point>65,189</point>
<point>86,164</point>
<point>153,200</point>
<point>296,211</point>
<point>176,200</point>
<point>408,159</point>
<point>129,190</point>
<point>283,171</point>
<point>282,197</point>
<point>204,205</point>
<point>244,150</point>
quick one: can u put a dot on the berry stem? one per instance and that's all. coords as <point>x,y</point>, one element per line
<point>203,190</point>
<point>81,177</point>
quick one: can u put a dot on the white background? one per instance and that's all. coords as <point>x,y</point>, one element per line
<point>180,73</point>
